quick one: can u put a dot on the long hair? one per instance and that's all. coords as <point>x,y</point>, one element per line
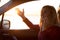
<point>48,15</point>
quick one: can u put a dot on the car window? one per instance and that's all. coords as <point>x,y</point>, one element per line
<point>30,12</point>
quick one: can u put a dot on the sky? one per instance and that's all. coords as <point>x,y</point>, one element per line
<point>32,12</point>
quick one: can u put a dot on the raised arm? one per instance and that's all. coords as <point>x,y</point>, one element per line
<point>30,25</point>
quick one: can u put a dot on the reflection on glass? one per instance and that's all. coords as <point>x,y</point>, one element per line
<point>2,2</point>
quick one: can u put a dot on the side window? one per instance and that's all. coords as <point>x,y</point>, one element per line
<point>31,12</point>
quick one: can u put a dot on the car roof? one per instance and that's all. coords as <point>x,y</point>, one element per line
<point>11,4</point>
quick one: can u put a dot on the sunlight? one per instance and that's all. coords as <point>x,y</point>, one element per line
<point>54,3</point>
<point>32,12</point>
<point>17,22</point>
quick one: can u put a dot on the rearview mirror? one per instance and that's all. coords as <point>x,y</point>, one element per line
<point>6,24</point>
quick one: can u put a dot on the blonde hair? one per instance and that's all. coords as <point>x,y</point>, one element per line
<point>48,15</point>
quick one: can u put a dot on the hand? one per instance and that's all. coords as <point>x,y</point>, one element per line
<point>20,13</point>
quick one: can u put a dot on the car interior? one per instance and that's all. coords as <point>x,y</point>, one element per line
<point>26,34</point>
<point>5,24</point>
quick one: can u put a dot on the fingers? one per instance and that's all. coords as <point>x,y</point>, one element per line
<point>23,11</point>
<point>19,11</point>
